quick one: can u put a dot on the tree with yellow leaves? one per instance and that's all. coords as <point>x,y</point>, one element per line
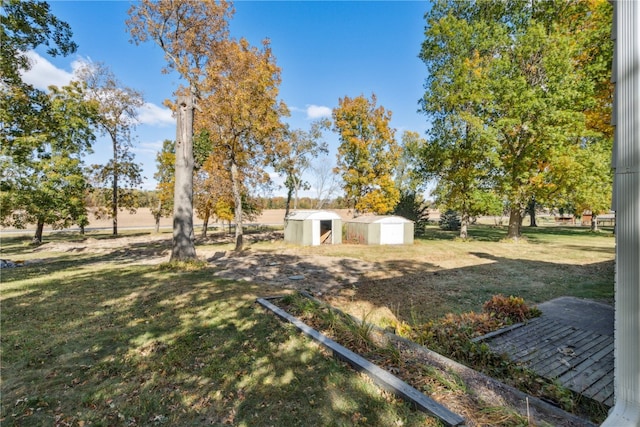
<point>241,114</point>
<point>367,155</point>
<point>192,34</point>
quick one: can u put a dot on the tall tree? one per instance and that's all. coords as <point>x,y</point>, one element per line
<point>26,25</point>
<point>242,115</point>
<point>408,178</point>
<point>49,186</point>
<point>44,135</point>
<point>461,151</point>
<point>212,189</point>
<point>117,118</point>
<point>191,34</point>
<point>295,153</point>
<point>410,183</point>
<point>367,155</point>
<point>527,103</point>
<point>590,179</point>
<point>324,181</point>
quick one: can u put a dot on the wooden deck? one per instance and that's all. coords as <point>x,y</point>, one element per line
<point>570,342</point>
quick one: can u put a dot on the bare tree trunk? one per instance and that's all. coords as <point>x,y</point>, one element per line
<point>157,216</point>
<point>464,225</point>
<point>594,222</point>
<point>288,203</point>
<point>237,200</point>
<point>515,222</point>
<point>114,195</point>
<point>531,209</point>
<point>37,238</point>
<point>205,223</point>
<point>183,235</point>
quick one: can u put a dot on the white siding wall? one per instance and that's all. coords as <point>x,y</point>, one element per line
<point>626,161</point>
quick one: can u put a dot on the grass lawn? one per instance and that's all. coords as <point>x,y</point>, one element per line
<point>88,339</point>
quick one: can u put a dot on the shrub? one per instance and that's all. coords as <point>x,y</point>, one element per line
<point>413,207</point>
<point>512,309</point>
<point>450,220</point>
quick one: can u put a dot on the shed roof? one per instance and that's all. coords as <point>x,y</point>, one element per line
<point>303,215</point>
<point>380,219</point>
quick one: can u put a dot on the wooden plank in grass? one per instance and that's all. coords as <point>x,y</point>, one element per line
<point>381,377</point>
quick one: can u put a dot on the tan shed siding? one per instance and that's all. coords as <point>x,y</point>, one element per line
<point>409,231</point>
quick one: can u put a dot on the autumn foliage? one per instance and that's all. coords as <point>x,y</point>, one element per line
<point>368,154</point>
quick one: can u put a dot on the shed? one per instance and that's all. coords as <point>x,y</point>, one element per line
<point>313,228</point>
<point>379,230</point>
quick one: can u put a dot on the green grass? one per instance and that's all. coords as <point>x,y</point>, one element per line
<point>89,341</point>
<point>441,274</point>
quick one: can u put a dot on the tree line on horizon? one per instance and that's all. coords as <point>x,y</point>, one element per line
<point>517,93</point>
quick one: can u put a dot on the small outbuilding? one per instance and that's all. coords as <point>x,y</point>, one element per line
<point>379,230</point>
<point>313,228</point>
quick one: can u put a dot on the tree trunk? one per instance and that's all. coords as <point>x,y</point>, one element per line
<point>183,235</point>
<point>237,201</point>
<point>157,216</point>
<point>464,225</point>
<point>531,210</point>
<point>594,222</point>
<point>205,223</point>
<point>114,195</point>
<point>37,238</point>
<point>515,222</point>
<point>288,203</point>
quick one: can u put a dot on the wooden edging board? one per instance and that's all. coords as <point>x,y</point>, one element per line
<point>381,377</point>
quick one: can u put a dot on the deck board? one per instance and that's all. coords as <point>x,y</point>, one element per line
<point>571,342</point>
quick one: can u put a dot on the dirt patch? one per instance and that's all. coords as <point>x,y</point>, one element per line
<point>285,268</point>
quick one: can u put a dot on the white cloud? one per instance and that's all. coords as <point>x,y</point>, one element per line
<point>152,114</point>
<point>148,147</point>
<point>44,74</point>
<point>318,111</point>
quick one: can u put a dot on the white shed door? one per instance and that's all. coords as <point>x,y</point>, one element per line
<point>391,234</point>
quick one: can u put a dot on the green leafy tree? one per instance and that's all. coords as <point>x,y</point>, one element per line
<point>44,135</point>
<point>295,153</point>
<point>413,206</point>
<point>460,153</point>
<point>117,117</point>
<point>49,187</point>
<point>165,160</point>
<point>522,110</point>
<point>408,178</point>
<point>367,155</point>
<point>589,179</point>
<point>26,25</point>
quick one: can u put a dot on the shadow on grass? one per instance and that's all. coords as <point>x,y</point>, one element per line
<point>97,343</point>
<point>422,295</point>
<point>494,233</point>
<point>87,337</point>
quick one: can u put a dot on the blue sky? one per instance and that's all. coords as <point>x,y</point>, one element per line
<point>326,50</point>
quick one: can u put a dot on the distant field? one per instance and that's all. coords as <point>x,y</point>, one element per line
<point>144,218</point>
